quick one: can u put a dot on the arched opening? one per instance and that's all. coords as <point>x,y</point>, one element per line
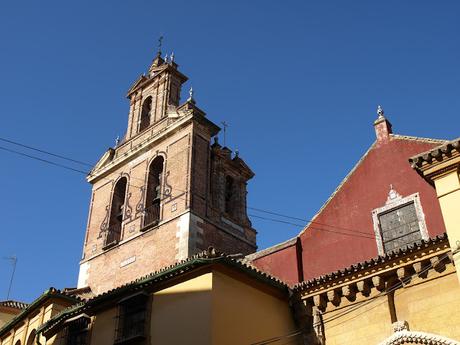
<point>145,114</point>
<point>153,197</point>
<point>229,195</point>
<point>17,343</point>
<point>31,339</point>
<point>116,212</point>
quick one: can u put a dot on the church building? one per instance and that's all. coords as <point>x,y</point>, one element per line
<point>167,191</point>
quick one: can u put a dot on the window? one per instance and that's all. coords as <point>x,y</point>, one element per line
<point>76,333</point>
<point>399,223</point>
<point>145,114</point>
<point>153,197</point>
<point>132,318</point>
<point>116,212</point>
<point>31,339</point>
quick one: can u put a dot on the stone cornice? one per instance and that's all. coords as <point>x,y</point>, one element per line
<point>438,161</point>
<point>157,133</point>
<point>375,273</point>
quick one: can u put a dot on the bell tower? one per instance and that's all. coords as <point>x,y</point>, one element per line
<point>164,192</point>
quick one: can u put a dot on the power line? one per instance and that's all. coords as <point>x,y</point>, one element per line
<point>316,228</point>
<point>356,307</point>
<point>355,233</point>
<point>45,152</point>
<point>308,221</point>
<point>42,160</point>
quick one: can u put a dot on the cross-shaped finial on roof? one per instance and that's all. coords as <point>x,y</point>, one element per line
<point>160,43</point>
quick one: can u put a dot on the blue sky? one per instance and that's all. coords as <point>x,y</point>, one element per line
<point>298,82</point>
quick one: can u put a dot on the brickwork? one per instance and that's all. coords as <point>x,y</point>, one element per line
<point>134,236</point>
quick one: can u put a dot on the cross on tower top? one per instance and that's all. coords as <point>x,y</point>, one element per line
<point>160,43</point>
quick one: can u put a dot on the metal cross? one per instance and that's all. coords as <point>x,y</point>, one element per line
<point>160,43</point>
<point>225,124</point>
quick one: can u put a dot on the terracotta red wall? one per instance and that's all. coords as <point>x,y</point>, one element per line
<point>282,264</point>
<point>351,208</point>
<point>323,248</point>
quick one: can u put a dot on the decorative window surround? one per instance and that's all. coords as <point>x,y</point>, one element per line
<point>395,201</point>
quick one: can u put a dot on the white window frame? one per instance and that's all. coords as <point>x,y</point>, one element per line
<point>396,201</point>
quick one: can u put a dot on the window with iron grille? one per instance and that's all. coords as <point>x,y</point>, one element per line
<point>76,332</point>
<point>400,227</point>
<point>399,223</point>
<point>131,319</point>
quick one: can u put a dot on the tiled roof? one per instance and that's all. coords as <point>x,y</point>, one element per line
<point>202,259</point>
<point>369,263</point>
<point>424,140</point>
<point>13,304</point>
<point>51,292</point>
<point>435,153</point>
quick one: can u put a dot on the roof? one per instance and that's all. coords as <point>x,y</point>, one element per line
<point>203,259</point>
<point>361,160</point>
<point>353,269</point>
<point>50,293</point>
<point>436,153</point>
<point>270,250</point>
<point>13,304</point>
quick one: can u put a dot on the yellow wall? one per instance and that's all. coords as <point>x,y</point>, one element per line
<point>432,306</point>
<point>428,304</point>
<point>32,321</point>
<point>181,314</point>
<point>365,321</point>
<point>448,191</point>
<point>242,314</point>
<point>103,327</point>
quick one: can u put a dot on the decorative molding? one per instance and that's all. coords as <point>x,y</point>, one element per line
<point>394,201</point>
<point>128,208</point>
<point>105,222</point>
<point>410,337</point>
<point>399,326</point>
<point>141,204</point>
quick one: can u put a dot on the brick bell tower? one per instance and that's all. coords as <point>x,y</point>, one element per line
<point>164,192</point>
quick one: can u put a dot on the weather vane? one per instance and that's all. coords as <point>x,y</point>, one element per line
<point>160,43</point>
<point>225,125</point>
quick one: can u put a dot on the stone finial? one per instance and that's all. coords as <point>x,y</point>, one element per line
<point>117,140</point>
<point>166,58</point>
<point>399,326</point>
<point>380,112</point>
<point>172,57</point>
<point>382,126</point>
<point>190,97</point>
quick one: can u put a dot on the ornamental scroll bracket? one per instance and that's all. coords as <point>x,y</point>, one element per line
<point>105,222</point>
<point>141,204</point>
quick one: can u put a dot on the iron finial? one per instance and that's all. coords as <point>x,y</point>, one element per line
<point>160,43</point>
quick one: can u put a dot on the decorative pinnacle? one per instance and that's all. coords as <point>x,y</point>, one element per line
<point>172,57</point>
<point>190,98</point>
<point>380,112</point>
<point>117,140</point>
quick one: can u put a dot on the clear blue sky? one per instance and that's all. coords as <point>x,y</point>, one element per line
<point>298,82</point>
